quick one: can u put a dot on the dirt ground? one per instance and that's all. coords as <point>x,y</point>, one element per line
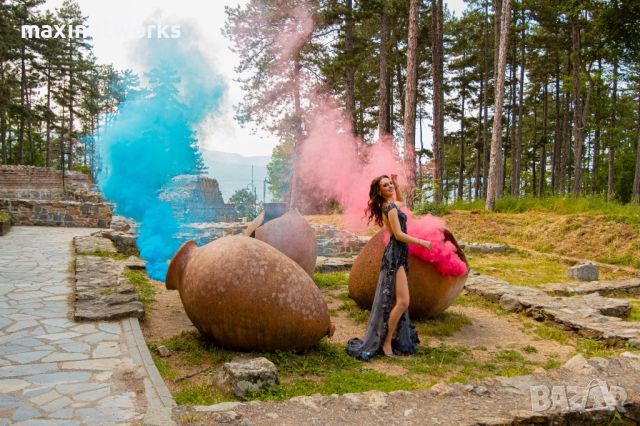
<point>487,330</point>
<point>167,317</point>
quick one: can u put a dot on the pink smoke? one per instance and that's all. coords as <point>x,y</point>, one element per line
<point>294,32</point>
<point>443,254</point>
<point>331,161</point>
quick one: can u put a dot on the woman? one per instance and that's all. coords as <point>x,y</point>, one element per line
<point>389,326</point>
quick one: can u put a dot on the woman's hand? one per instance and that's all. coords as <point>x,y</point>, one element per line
<point>426,244</point>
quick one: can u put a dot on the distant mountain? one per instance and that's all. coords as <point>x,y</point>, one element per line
<point>233,172</point>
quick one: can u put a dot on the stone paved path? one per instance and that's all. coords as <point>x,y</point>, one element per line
<point>54,370</point>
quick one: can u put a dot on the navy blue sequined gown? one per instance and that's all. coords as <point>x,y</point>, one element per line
<point>396,254</point>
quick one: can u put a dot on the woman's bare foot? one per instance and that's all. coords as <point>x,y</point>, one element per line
<point>387,349</point>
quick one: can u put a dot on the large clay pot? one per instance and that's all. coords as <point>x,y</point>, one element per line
<point>244,294</point>
<point>431,293</point>
<point>289,233</point>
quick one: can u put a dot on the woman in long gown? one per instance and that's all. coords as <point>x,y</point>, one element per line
<point>391,301</point>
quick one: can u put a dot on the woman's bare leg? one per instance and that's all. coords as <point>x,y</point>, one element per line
<point>401,305</point>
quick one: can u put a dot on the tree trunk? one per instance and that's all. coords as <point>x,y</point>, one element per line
<point>635,192</point>
<point>577,108</point>
<point>563,184</point>
<point>485,103</point>
<point>349,82</point>
<point>511,122</point>
<point>543,150</point>
<point>3,120</point>
<point>516,154</point>
<point>461,163</point>
<point>3,136</point>
<point>32,152</point>
<point>497,22</point>
<point>479,141</point>
<point>410,102</point>
<point>612,140</point>
<point>70,159</point>
<point>496,137</point>
<point>401,91</point>
<point>48,124</point>
<point>557,135</point>
<point>295,199</point>
<point>383,93</point>
<point>23,95</point>
<point>596,138</point>
<point>438,97</point>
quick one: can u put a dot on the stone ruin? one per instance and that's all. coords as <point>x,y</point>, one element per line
<point>40,196</point>
<point>197,199</point>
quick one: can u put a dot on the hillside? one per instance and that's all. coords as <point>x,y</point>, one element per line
<point>603,238</point>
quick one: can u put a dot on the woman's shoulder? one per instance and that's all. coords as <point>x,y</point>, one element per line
<point>387,207</point>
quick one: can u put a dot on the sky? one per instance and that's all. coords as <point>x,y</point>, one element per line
<point>114,24</point>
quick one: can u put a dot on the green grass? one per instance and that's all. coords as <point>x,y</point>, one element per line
<point>195,349</point>
<point>143,287</point>
<point>190,393</point>
<point>331,280</point>
<point>634,315</point>
<point>354,312</point>
<point>519,268</point>
<point>627,213</point>
<point>4,216</point>
<point>475,301</point>
<point>530,349</point>
<point>336,382</point>
<point>587,347</point>
<point>108,254</point>
<point>445,324</point>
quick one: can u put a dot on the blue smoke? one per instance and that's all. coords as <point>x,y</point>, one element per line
<point>152,139</point>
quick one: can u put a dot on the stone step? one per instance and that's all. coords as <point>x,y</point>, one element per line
<point>581,392</point>
<point>334,264</point>
<point>102,293</point>
<point>603,287</point>
<point>589,315</point>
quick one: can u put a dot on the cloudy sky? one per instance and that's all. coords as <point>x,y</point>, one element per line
<point>114,24</point>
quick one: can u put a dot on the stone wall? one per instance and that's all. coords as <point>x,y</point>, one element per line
<point>58,213</point>
<point>197,199</point>
<point>336,242</point>
<point>41,183</point>
<point>37,196</point>
<point>332,241</point>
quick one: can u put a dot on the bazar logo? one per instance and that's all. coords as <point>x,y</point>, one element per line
<point>598,392</point>
<point>80,31</point>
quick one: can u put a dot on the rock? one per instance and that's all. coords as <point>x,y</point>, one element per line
<point>334,264</point>
<point>631,355</point>
<point>163,351</point>
<point>578,364</point>
<point>222,406</point>
<point>480,390</point>
<point>122,224</point>
<point>444,389</point>
<point>250,375</point>
<point>90,244</point>
<point>483,247</point>
<point>102,293</point>
<point>589,315</point>
<point>584,272</point>
<point>510,303</point>
<point>135,263</point>
<point>125,243</point>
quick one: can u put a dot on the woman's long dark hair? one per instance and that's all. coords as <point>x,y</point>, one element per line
<point>374,206</point>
